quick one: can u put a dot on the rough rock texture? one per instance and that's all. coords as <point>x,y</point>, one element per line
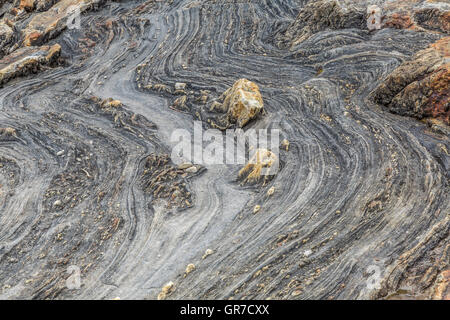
<point>324,15</point>
<point>420,87</point>
<point>48,24</point>
<point>242,102</point>
<point>27,60</point>
<point>427,15</point>
<point>6,34</point>
<point>359,208</point>
<point>258,166</point>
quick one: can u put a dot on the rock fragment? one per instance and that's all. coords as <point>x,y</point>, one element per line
<point>27,60</point>
<point>190,267</point>
<point>285,144</point>
<point>185,165</point>
<point>192,169</point>
<point>180,86</point>
<point>9,132</point>
<point>110,103</point>
<point>48,24</point>
<point>242,102</point>
<point>259,165</point>
<point>208,252</point>
<point>166,290</point>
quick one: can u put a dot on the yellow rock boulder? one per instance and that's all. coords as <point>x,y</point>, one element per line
<point>243,102</point>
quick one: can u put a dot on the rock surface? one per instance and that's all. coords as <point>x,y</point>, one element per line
<point>243,102</point>
<point>420,87</point>
<point>357,210</point>
<point>27,60</point>
<point>316,16</point>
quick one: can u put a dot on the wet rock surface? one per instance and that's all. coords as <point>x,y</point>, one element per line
<point>358,210</point>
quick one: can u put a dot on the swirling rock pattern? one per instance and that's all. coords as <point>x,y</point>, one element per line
<point>82,163</point>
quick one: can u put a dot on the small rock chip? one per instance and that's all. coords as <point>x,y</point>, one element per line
<point>110,103</point>
<point>285,144</point>
<point>190,267</point>
<point>208,252</point>
<point>262,159</point>
<point>168,287</point>
<point>162,296</point>
<point>166,290</point>
<point>192,169</point>
<point>57,203</point>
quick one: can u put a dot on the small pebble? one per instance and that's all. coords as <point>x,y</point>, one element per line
<point>184,165</point>
<point>180,86</point>
<point>192,169</point>
<point>208,252</point>
<point>190,267</point>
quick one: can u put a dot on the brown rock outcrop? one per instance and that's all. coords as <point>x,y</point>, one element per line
<point>420,87</point>
<point>27,60</point>
<point>47,25</point>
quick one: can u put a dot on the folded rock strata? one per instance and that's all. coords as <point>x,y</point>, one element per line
<point>324,15</point>
<point>321,15</point>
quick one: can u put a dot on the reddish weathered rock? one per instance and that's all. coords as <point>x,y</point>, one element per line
<point>399,21</point>
<point>420,87</point>
<point>27,5</point>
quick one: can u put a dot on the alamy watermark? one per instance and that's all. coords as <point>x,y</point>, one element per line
<point>74,280</point>
<point>374,280</point>
<point>74,17</point>
<point>234,147</point>
<point>374,15</point>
